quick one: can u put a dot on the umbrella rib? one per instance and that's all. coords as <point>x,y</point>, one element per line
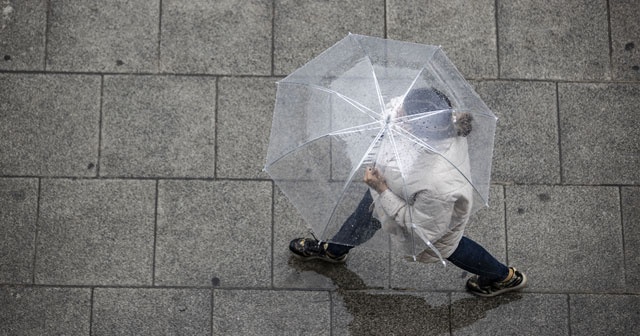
<point>373,72</point>
<point>406,197</point>
<point>455,97</point>
<point>351,175</point>
<point>404,190</point>
<point>415,79</point>
<point>419,141</point>
<point>306,142</point>
<point>418,116</point>
<point>478,114</point>
<point>359,106</point>
<point>348,130</point>
<point>355,129</point>
<point>366,154</point>
<point>375,81</point>
<point>435,71</point>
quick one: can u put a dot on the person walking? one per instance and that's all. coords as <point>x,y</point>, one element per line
<point>439,206</point>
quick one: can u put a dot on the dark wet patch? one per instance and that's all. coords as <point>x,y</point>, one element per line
<point>629,46</point>
<point>90,166</point>
<point>635,68</point>
<point>7,57</point>
<point>18,196</point>
<point>544,197</point>
<point>119,63</point>
<point>468,311</point>
<point>392,312</point>
<point>215,282</point>
<point>521,211</point>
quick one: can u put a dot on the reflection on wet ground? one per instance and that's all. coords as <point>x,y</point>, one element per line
<point>378,311</point>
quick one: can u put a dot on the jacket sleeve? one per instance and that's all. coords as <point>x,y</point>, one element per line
<point>432,215</point>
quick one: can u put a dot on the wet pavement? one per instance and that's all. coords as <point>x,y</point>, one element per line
<point>133,136</point>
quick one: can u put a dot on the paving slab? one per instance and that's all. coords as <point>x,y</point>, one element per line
<point>22,34</point>
<point>216,37</point>
<point>566,232</point>
<point>465,30</point>
<point>31,311</point>
<point>287,225</point>
<point>605,314</point>
<point>631,229</point>
<point>558,39</point>
<point>18,216</point>
<point>390,313</point>
<point>625,41</point>
<point>510,314</point>
<point>526,143</point>
<point>49,124</point>
<point>487,227</point>
<point>245,107</point>
<point>158,126</point>
<point>133,134</point>
<point>103,36</point>
<point>145,311</point>
<point>209,232</point>
<point>600,132</point>
<point>95,232</point>
<point>303,29</point>
<point>264,312</point>
<point>365,268</point>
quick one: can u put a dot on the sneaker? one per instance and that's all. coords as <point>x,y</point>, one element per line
<point>309,248</point>
<point>517,281</point>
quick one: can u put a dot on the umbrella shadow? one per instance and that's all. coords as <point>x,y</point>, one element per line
<point>394,312</point>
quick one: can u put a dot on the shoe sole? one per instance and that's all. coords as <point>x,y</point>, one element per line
<point>329,260</point>
<point>522,285</point>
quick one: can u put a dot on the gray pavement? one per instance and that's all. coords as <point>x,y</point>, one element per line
<point>133,202</point>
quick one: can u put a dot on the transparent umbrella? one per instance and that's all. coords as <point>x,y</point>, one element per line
<point>351,108</point>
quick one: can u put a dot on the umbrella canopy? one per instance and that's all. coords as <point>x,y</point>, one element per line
<point>373,102</point>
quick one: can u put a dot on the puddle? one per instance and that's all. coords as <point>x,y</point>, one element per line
<point>362,310</point>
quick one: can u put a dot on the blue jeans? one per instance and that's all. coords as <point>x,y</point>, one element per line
<point>357,229</point>
<point>469,255</point>
<point>473,258</point>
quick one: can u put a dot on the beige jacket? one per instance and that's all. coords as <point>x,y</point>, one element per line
<point>440,199</point>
